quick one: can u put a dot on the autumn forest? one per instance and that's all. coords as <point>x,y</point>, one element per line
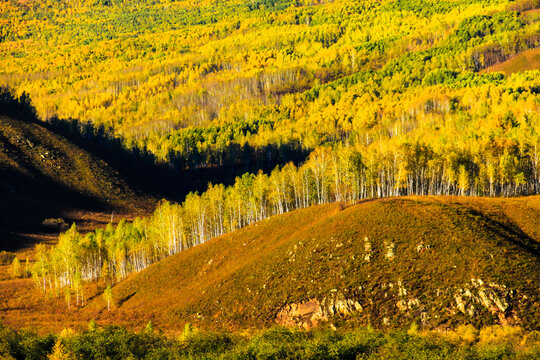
<point>314,101</point>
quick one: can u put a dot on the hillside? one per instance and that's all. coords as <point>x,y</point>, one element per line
<point>44,175</point>
<point>524,61</point>
<point>436,261</point>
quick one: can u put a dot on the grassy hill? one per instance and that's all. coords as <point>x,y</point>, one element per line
<point>44,175</point>
<point>436,261</point>
<point>526,60</point>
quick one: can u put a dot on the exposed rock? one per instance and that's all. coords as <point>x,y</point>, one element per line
<point>492,297</point>
<point>367,249</point>
<point>421,247</point>
<point>414,302</point>
<point>424,317</point>
<point>489,298</point>
<point>308,314</point>
<point>472,299</point>
<point>402,305</point>
<point>477,282</point>
<point>401,289</point>
<point>390,250</point>
<point>460,303</point>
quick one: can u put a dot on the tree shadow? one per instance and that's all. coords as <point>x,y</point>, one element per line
<point>180,175</point>
<point>509,232</point>
<point>29,196</point>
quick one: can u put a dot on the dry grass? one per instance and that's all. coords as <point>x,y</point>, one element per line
<point>526,60</point>
<point>241,280</point>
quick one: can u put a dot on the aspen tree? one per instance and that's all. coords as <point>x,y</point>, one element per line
<point>108,297</point>
<point>16,268</point>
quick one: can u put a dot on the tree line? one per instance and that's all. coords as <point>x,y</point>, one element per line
<point>340,174</point>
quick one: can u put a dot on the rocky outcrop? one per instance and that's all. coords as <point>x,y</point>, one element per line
<point>307,314</point>
<point>390,252</point>
<point>493,297</point>
<point>472,299</point>
<point>367,249</point>
<point>310,313</point>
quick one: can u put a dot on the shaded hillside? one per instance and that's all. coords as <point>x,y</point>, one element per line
<point>434,261</point>
<point>45,176</point>
<point>65,168</point>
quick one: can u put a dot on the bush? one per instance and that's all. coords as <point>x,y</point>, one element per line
<point>201,343</point>
<point>113,342</point>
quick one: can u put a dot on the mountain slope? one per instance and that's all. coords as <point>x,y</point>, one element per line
<point>43,175</point>
<point>389,262</point>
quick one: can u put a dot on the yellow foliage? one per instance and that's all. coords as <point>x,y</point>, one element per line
<point>498,334</point>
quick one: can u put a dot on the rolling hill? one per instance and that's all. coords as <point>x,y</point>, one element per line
<point>435,261</point>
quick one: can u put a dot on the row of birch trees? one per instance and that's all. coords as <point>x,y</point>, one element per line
<point>342,174</point>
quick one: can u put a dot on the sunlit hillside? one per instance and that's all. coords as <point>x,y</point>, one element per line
<point>436,261</point>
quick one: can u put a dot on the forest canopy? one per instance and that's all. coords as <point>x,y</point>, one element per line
<point>186,81</point>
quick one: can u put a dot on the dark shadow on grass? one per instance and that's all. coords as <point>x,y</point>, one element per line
<point>30,200</point>
<point>510,232</point>
<point>505,230</point>
<point>123,300</point>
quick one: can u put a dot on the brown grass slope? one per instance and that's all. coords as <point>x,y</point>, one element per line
<point>524,61</point>
<point>44,175</point>
<point>456,260</point>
